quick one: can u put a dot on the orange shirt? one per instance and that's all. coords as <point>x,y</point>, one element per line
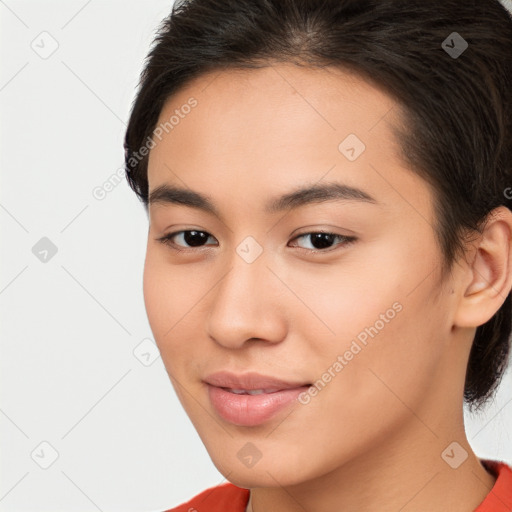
<point>499,498</point>
<point>230,498</point>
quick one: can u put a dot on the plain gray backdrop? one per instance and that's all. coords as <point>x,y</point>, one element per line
<point>89,420</point>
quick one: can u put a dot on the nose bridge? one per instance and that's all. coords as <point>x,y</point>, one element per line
<point>243,305</point>
<point>247,263</point>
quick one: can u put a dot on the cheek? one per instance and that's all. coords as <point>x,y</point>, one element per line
<point>376,386</point>
<point>167,291</point>
<point>165,299</point>
<point>337,302</point>
<point>379,316</point>
<point>156,302</point>
<point>387,363</point>
<point>174,302</point>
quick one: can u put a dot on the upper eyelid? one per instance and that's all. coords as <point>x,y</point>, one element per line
<point>174,233</point>
<point>348,238</point>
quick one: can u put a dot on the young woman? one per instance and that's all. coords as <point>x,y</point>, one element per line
<point>329,261</point>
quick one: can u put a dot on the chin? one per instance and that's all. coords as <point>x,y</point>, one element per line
<point>268,473</point>
<point>252,478</point>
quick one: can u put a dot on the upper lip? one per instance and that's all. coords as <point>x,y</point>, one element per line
<point>250,381</point>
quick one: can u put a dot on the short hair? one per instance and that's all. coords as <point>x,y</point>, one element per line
<point>455,102</point>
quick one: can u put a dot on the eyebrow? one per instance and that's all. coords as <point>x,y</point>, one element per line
<point>302,196</point>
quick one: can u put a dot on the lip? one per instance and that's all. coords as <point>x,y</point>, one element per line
<point>251,410</point>
<point>249,381</point>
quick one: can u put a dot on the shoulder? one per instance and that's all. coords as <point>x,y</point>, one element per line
<point>499,498</point>
<point>226,497</point>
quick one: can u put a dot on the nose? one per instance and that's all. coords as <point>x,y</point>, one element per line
<point>246,304</point>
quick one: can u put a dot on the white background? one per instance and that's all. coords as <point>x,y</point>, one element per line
<point>70,325</point>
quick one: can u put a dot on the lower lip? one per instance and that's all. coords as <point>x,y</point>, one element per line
<point>249,410</point>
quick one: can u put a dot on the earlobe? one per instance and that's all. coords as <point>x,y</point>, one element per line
<point>490,272</point>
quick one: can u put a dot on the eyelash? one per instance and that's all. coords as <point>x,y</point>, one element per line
<point>346,240</point>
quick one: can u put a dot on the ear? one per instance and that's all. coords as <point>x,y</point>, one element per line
<point>490,272</point>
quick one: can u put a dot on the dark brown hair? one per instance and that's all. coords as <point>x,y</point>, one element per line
<point>457,125</point>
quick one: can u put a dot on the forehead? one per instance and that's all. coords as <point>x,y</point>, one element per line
<point>261,131</point>
<point>278,104</point>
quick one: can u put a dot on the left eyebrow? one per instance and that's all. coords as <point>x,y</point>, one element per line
<point>303,196</point>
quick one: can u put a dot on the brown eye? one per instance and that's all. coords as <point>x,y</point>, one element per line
<point>191,239</point>
<point>321,240</point>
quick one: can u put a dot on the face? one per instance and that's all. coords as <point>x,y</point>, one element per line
<point>337,295</point>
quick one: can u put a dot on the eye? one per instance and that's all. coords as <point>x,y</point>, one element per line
<point>192,237</point>
<point>322,239</point>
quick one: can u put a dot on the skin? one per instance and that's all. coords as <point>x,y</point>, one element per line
<point>372,439</point>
